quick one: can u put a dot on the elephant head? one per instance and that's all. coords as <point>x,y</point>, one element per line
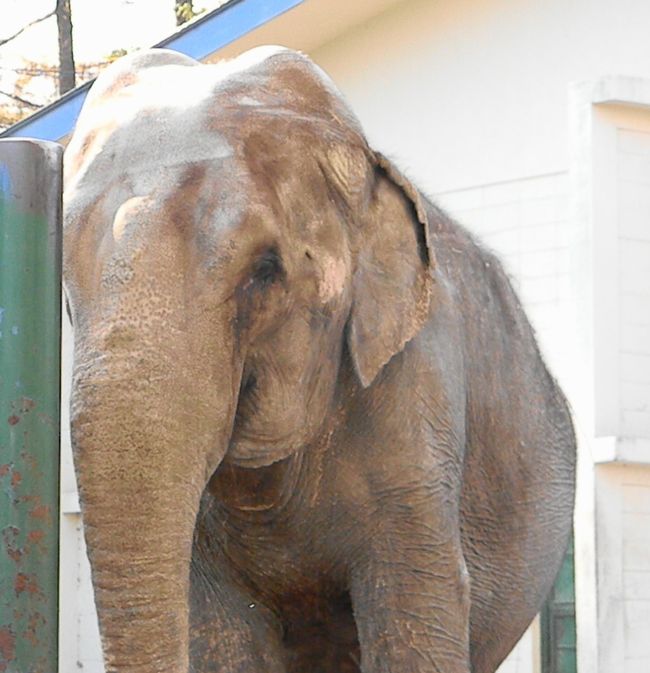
<point>236,259</point>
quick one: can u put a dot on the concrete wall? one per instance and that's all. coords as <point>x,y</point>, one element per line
<point>472,92</point>
<point>525,222</point>
<point>633,160</point>
<point>623,508</point>
<point>610,158</point>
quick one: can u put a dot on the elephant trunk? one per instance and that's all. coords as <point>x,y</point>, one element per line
<point>141,596</point>
<point>144,449</point>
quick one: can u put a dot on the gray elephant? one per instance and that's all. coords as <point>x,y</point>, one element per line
<point>313,432</point>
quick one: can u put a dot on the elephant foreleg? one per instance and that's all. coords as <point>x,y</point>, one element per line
<point>411,603</point>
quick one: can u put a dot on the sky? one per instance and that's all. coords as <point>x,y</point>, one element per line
<point>99,26</point>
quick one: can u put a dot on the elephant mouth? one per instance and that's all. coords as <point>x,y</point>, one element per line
<point>255,489</point>
<point>253,452</point>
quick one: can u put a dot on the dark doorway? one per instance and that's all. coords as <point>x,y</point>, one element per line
<point>558,621</point>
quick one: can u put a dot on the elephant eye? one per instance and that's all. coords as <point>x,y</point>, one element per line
<point>268,268</point>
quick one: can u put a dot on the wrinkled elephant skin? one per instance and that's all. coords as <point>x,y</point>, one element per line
<point>312,429</point>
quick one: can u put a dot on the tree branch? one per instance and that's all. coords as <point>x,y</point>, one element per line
<point>18,99</point>
<point>24,28</point>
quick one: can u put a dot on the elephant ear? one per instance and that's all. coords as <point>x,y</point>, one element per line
<point>392,281</point>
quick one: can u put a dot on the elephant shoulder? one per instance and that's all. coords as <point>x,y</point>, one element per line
<point>479,280</point>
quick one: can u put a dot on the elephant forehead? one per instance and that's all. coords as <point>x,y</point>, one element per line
<point>145,111</point>
<point>146,124</point>
<point>141,115</point>
<point>146,142</point>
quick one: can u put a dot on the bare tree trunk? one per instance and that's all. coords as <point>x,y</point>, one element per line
<point>66,55</point>
<point>184,11</point>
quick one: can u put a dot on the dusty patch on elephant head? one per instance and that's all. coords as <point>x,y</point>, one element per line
<point>308,84</point>
<point>333,274</point>
<point>84,147</point>
<point>185,205</point>
<point>123,80</point>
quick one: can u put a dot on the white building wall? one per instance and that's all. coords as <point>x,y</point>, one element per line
<point>525,222</point>
<point>633,154</point>
<point>635,506</point>
<point>472,92</point>
<point>623,540</point>
<point>610,158</point>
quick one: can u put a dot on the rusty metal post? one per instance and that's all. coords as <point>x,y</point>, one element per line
<point>30,319</point>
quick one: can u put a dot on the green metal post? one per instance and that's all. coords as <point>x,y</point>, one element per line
<point>30,321</point>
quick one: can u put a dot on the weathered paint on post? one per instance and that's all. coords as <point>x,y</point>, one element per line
<point>30,317</point>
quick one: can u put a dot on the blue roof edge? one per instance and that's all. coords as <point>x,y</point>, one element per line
<point>198,40</point>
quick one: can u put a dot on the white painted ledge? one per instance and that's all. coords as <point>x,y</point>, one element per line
<point>632,450</point>
<point>621,90</point>
<point>70,503</point>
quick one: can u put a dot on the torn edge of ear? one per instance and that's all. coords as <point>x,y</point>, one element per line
<point>415,197</point>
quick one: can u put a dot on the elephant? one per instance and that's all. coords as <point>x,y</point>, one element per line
<point>312,428</point>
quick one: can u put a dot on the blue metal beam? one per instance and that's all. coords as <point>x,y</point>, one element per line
<point>198,40</point>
